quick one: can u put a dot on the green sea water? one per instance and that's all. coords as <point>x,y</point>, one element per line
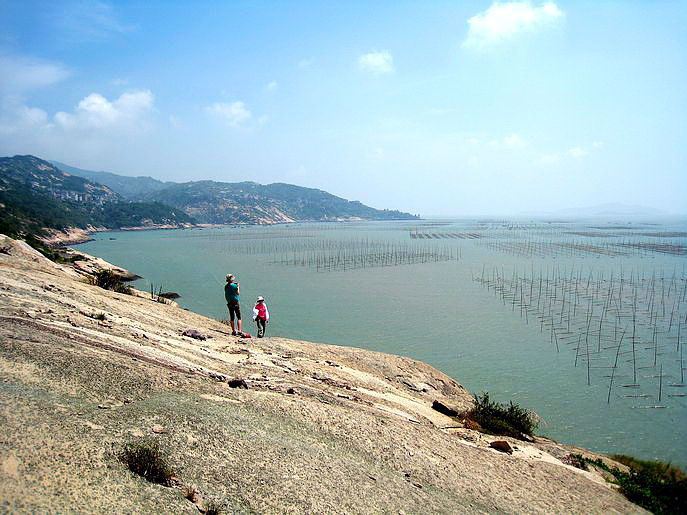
<point>433,309</point>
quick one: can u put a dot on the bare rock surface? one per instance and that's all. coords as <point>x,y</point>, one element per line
<point>309,428</point>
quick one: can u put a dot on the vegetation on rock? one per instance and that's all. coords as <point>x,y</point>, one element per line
<point>109,280</point>
<point>502,419</point>
<point>148,460</point>
<point>654,485</point>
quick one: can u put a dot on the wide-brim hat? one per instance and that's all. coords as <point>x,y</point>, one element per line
<point>260,298</point>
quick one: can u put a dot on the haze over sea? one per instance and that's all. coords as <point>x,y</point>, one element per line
<point>462,296</point>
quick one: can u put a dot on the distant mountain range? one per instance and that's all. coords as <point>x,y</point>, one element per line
<point>241,202</point>
<point>36,195</point>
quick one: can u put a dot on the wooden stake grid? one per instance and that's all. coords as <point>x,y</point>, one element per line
<point>631,323</point>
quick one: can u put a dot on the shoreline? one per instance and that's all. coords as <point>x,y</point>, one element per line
<point>76,235</point>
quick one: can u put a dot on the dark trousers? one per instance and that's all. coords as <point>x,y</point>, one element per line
<point>262,325</point>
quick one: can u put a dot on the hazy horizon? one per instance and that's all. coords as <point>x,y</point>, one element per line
<point>441,108</point>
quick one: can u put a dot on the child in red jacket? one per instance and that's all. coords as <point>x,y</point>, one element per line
<point>261,316</point>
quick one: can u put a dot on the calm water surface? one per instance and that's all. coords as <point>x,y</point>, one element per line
<point>438,313</point>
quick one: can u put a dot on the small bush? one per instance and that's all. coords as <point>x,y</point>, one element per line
<point>213,508</point>
<point>146,459</point>
<point>658,468</point>
<point>502,419</point>
<point>656,486</point>
<point>575,460</point>
<point>109,280</point>
<point>160,296</point>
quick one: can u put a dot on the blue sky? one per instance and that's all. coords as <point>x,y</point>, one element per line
<point>444,108</point>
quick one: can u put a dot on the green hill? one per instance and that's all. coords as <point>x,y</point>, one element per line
<point>35,195</point>
<point>249,202</point>
<point>240,202</point>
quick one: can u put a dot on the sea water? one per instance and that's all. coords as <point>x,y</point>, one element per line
<point>437,310</point>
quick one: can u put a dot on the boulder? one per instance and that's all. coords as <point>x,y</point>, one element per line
<point>195,334</point>
<point>444,409</point>
<point>238,383</point>
<point>501,446</point>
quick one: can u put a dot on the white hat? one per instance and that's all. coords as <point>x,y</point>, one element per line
<point>260,297</point>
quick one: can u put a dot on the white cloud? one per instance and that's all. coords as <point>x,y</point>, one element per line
<point>304,63</point>
<point>513,141</point>
<point>377,62</point>
<point>92,113</point>
<point>440,111</point>
<point>16,117</point>
<point>21,74</point>
<point>234,113</point>
<point>509,141</point>
<point>503,21</point>
<point>377,153</point>
<point>578,152</point>
<point>272,86</point>
<point>97,126</point>
<point>550,159</point>
<point>97,112</point>
<point>473,140</point>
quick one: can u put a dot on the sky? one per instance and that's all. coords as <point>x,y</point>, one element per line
<point>432,107</point>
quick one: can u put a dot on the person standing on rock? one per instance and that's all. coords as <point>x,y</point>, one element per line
<point>261,315</point>
<point>232,291</point>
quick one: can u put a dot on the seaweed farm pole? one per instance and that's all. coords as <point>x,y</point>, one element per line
<point>588,363</point>
<point>679,325</point>
<point>634,330</point>
<point>615,365</point>
<point>601,320</point>
<point>660,382</point>
<point>553,331</point>
<point>682,369</point>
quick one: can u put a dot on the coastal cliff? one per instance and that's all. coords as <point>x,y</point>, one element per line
<point>271,425</point>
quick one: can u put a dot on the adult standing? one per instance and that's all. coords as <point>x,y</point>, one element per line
<point>232,291</point>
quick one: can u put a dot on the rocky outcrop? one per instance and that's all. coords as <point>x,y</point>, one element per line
<point>274,425</point>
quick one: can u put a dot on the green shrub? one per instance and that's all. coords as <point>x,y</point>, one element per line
<point>146,459</point>
<point>109,280</point>
<point>213,508</point>
<point>576,460</point>
<point>656,486</point>
<point>658,468</point>
<point>502,419</point>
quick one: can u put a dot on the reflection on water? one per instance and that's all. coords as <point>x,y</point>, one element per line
<point>584,323</point>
